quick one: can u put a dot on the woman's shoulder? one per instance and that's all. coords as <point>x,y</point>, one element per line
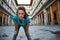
<point>27,18</point>
<point>15,17</point>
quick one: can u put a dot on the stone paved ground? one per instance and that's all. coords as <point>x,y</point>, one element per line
<point>36,32</point>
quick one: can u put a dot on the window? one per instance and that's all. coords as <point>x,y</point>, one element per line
<point>23,2</point>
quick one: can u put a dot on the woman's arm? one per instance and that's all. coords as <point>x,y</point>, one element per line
<point>16,25</point>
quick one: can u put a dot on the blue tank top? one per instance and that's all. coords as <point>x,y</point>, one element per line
<point>16,19</point>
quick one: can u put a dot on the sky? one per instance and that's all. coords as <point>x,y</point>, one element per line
<point>23,1</point>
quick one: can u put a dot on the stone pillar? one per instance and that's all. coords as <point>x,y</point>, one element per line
<point>39,19</point>
<point>42,18</point>
<point>52,22</point>
<point>8,20</point>
<point>2,19</point>
<point>45,17</point>
<point>13,22</point>
<point>34,21</point>
<point>59,10</point>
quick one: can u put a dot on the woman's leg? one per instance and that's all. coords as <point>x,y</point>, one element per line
<point>26,29</point>
<point>15,33</point>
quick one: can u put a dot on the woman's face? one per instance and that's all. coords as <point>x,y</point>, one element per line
<point>21,14</point>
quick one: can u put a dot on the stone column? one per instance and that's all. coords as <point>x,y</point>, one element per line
<point>2,19</point>
<point>52,22</point>
<point>45,17</point>
<point>59,10</point>
<point>39,19</point>
<point>8,20</point>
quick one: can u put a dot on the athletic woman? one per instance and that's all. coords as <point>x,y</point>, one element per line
<point>21,19</point>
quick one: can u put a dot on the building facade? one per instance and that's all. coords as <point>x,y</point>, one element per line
<point>7,10</point>
<point>49,14</point>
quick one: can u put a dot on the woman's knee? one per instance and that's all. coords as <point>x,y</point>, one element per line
<point>16,32</point>
<point>26,32</point>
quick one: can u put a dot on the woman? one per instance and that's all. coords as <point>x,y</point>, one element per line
<point>21,19</point>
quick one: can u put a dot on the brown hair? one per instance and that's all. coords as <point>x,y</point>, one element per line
<point>23,8</point>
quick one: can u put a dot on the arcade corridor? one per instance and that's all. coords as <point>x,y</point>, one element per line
<point>44,19</point>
